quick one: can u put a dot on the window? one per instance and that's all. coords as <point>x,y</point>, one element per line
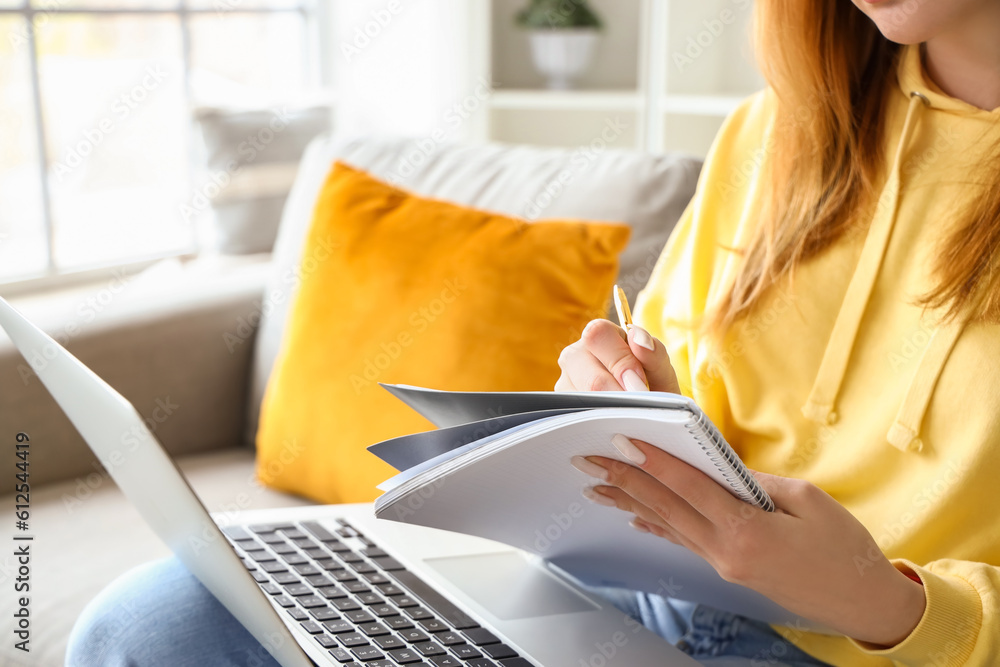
<point>96,138</point>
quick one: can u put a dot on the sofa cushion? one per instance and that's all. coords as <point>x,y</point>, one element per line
<point>402,289</point>
<point>648,192</point>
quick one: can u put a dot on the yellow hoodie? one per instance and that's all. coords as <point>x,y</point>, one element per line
<point>839,379</point>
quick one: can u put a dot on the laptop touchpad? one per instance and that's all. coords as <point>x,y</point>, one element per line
<point>510,587</point>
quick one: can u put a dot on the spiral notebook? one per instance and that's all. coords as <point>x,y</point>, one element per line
<point>498,467</point>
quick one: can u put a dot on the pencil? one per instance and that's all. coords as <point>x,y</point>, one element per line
<point>621,305</point>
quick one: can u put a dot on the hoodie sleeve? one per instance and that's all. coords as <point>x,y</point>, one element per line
<point>961,622</point>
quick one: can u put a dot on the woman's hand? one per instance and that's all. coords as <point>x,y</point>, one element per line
<point>606,358</point>
<point>811,556</point>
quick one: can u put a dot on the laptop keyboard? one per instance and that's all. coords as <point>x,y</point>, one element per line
<point>360,604</point>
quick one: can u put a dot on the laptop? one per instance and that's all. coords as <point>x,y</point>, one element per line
<point>332,585</point>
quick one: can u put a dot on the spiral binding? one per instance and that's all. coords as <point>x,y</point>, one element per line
<point>736,474</point>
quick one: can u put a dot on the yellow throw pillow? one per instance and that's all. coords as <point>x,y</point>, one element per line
<point>397,288</point>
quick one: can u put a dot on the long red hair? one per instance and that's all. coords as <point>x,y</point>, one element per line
<point>831,70</point>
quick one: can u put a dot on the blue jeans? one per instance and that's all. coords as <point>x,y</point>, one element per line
<point>159,614</point>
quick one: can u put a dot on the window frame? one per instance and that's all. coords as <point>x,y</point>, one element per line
<point>313,13</point>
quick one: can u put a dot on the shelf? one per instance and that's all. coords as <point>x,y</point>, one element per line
<point>587,100</point>
<point>702,105</point>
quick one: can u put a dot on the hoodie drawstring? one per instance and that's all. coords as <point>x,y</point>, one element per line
<point>821,404</point>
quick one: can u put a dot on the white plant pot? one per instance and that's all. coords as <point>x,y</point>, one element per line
<point>563,55</point>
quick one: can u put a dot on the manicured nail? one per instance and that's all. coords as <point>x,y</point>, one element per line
<point>638,526</point>
<point>589,468</point>
<point>628,450</point>
<point>642,338</point>
<point>598,498</point>
<point>633,382</point>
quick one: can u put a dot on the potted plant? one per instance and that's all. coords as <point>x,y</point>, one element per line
<point>564,34</point>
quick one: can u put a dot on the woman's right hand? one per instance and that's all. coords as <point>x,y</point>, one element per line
<point>607,359</point>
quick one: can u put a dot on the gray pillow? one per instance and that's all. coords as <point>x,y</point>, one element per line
<point>647,191</point>
<point>252,158</point>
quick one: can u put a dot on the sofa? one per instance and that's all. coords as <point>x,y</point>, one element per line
<point>191,345</point>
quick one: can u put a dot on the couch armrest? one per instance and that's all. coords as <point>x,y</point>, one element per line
<point>175,340</point>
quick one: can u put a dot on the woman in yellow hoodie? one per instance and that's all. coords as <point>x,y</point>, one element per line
<point>831,298</point>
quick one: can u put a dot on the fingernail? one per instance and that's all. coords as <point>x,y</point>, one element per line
<point>633,382</point>
<point>598,498</point>
<point>638,526</point>
<point>642,338</point>
<point>589,468</point>
<point>628,450</point>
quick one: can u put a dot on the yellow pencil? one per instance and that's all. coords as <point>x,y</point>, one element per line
<point>621,305</point>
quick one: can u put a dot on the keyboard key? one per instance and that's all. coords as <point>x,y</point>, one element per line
<point>237,533</point>
<point>372,552</point>
<point>449,638</point>
<point>359,616</point>
<point>466,652</point>
<point>343,576</point>
<point>259,577</point>
<point>318,531</point>
<point>384,663</point>
<point>304,542</point>
<point>370,598</point>
<point>515,662</point>
<point>428,649</point>
<point>316,552</point>
<point>260,555</point>
<point>285,577</point>
<point>481,636</point>
<point>293,559</point>
<point>306,568</point>
<point>272,538</point>
<point>391,590</point>
<point>413,636</point>
<point>271,589</point>
<point>405,601</point>
<point>324,614</point>
<point>384,610</point>
<point>336,627</point>
<point>297,613</point>
<point>373,629</point>
<point>387,642</point>
<point>311,601</point>
<point>434,625</point>
<point>352,639</point>
<point>293,532</point>
<point>364,654</point>
<point>498,651</point>
<point>389,564</point>
<point>351,557</point>
<point>357,587</point>
<point>345,604</point>
<point>376,578</point>
<point>283,548</point>
<point>341,655</point>
<point>446,661</point>
<point>337,547</point>
<point>312,627</point>
<point>270,527</point>
<point>444,607</point>
<point>480,662</point>
<point>332,592</point>
<point>298,589</point>
<point>273,567</point>
<point>284,601</point>
<point>417,613</point>
<point>398,623</point>
<point>326,641</point>
<point>329,564</point>
<point>319,580</point>
<point>362,567</point>
<point>248,564</point>
<point>405,656</point>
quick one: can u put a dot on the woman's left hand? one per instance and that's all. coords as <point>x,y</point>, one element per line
<point>811,556</point>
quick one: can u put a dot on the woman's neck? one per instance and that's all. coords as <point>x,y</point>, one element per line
<point>964,61</point>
